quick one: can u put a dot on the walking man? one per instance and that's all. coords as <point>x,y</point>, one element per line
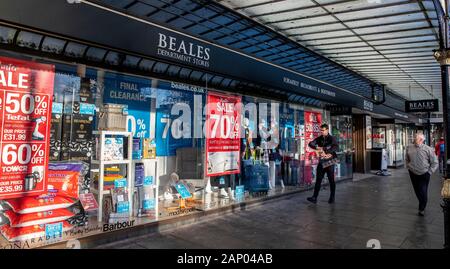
<point>421,162</point>
<point>328,146</point>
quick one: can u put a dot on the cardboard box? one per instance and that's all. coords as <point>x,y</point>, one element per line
<point>149,149</point>
<point>86,91</point>
<point>137,149</point>
<point>78,128</point>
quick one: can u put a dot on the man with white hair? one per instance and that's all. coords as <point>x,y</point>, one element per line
<point>421,162</point>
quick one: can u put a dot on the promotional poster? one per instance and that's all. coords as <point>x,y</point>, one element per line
<point>172,132</point>
<point>26,90</point>
<point>313,120</point>
<point>136,94</point>
<point>222,134</point>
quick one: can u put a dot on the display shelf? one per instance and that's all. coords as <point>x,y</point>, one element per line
<point>151,169</point>
<point>116,133</point>
<point>111,162</point>
<point>101,168</point>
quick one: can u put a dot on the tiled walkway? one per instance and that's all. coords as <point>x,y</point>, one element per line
<point>382,208</point>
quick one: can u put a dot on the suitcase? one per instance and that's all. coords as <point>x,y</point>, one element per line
<point>256,178</point>
<point>296,172</point>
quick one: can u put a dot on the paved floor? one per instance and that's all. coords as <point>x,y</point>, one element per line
<point>382,208</point>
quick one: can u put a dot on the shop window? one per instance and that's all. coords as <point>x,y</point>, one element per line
<point>160,68</point>
<point>113,58</point>
<point>196,75</point>
<point>95,54</point>
<point>75,50</point>
<point>216,80</point>
<point>173,70</point>
<point>131,61</point>
<point>7,35</point>
<point>53,45</point>
<point>146,65</point>
<point>225,82</point>
<point>29,40</point>
<point>185,72</point>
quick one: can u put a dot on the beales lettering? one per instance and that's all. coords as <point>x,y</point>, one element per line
<point>173,47</point>
<point>117,226</point>
<point>422,105</point>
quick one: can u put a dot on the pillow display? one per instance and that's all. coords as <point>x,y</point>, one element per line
<point>27,205</point>
<point>64,179</point>
<point>24,220</point>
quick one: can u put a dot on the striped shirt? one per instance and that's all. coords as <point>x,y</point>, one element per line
<point>421,159</point>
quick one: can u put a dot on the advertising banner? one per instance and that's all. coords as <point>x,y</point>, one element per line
<point>378,137</point>
<point>313,120</point>
<point>429,105</point>
<point>26,90</point>
<point>368,132</point>
<point>223,119</point>
<point>176,116</point>
<point>134,92</point>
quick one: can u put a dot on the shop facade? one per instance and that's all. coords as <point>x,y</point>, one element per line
<point>91,146</point>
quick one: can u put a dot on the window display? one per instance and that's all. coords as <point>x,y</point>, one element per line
<point>341,129</point>
<point>399,145</point>
<point>105,148</point>
<point>378,137</point>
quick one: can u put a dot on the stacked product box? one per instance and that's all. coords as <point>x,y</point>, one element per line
<point>56,131</point>
<point>78,124</point>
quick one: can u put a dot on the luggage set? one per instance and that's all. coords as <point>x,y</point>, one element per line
<point>256,174</point>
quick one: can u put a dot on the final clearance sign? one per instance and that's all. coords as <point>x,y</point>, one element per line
<point>430,105</point>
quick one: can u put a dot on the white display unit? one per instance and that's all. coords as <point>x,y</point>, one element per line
<point>101,168</point>
<point>151,165</point>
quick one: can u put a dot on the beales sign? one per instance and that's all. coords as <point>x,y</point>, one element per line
<point>430,105</point>
<point>178,49</point>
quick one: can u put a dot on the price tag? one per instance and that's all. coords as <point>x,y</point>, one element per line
<point>149,204</point>
<point>120,183</point>
<point>148,181</point>
<point>122,207</point>
<point>54,230</point>
<point>240,190</point>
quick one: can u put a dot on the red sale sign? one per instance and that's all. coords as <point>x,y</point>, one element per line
<point>26,90</point>
<point>223,145</point>
<point>313,120</point>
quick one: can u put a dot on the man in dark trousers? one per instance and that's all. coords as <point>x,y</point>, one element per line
<point>328,146</point>
<point>421,162</point>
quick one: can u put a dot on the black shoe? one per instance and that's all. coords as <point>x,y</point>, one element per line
<point>331,200</point>
<point>421,213</point>
<point>312,199</point>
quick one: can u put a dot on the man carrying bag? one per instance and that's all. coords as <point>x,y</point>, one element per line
<point>327,146</point>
